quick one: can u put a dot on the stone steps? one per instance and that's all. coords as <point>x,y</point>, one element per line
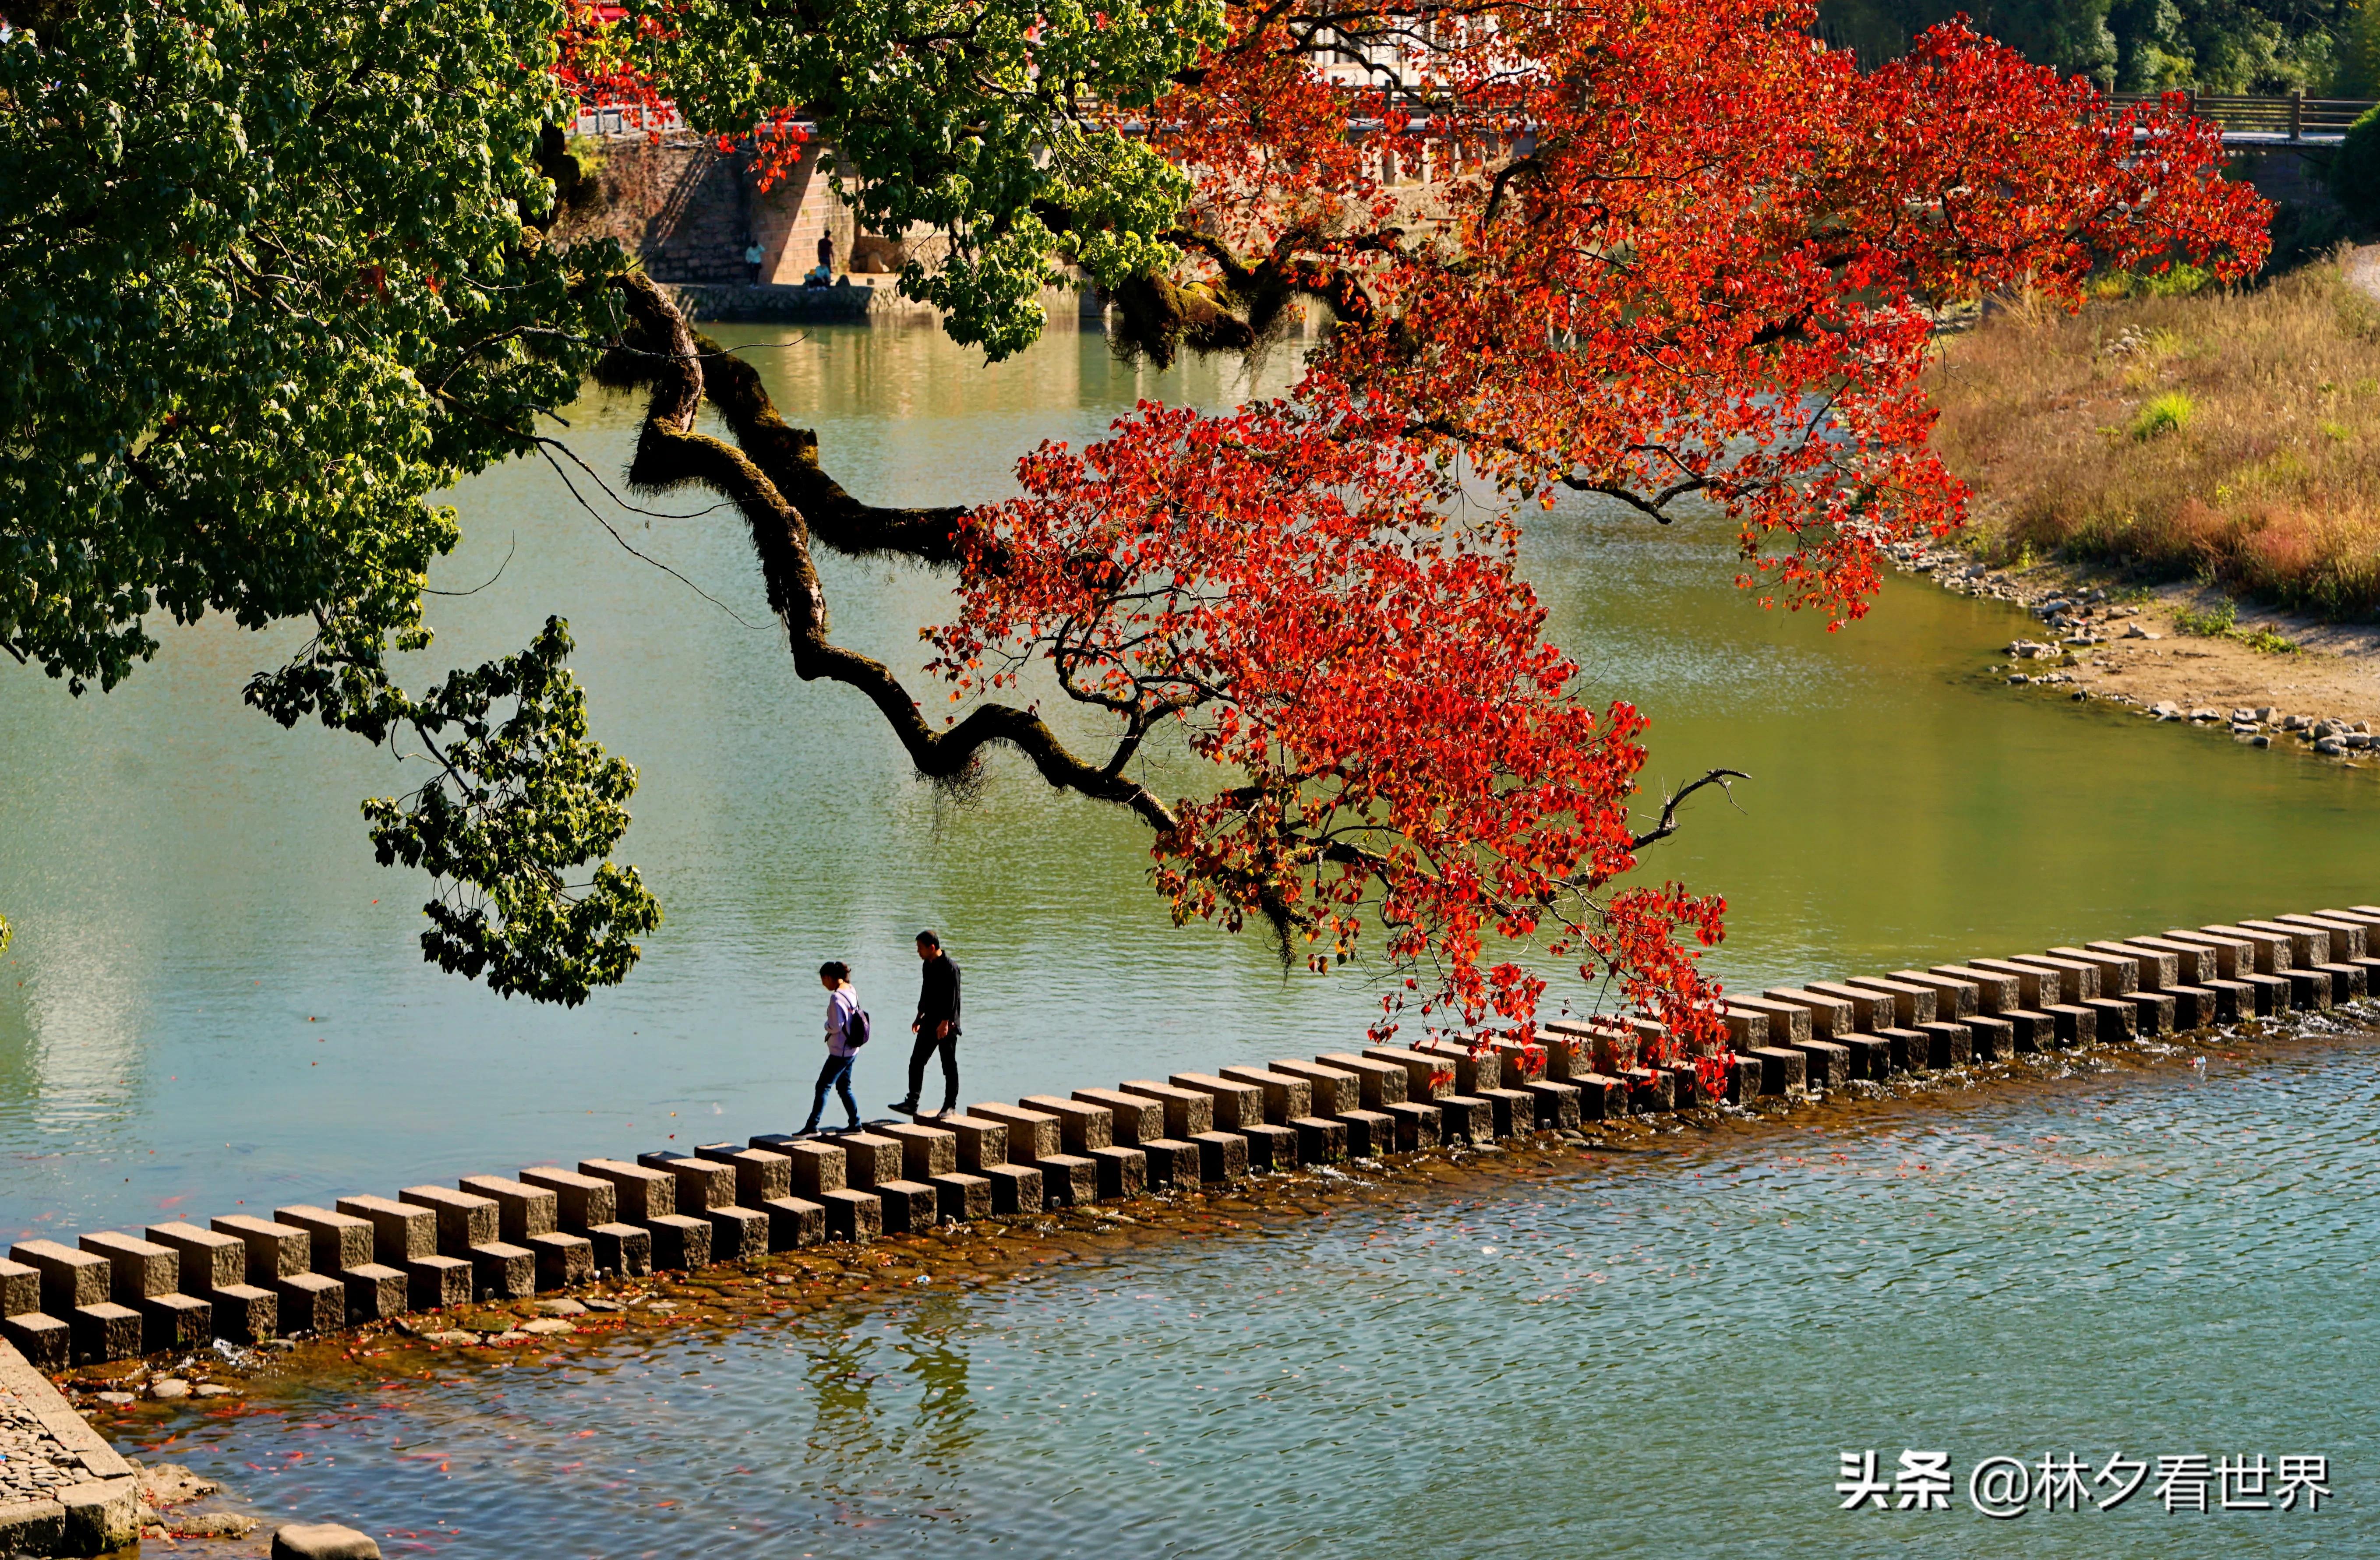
<point>247,1278</point>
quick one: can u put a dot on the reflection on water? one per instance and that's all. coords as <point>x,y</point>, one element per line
<point>1659,1354</point>
<point>215,998</point>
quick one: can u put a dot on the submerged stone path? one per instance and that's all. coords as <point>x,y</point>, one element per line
<point>312,1269</point>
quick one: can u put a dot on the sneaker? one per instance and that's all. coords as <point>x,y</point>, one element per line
<point>906,1107</point>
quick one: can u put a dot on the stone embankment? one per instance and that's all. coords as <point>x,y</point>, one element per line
<point>2315,688</point>
<point>439,1262</point>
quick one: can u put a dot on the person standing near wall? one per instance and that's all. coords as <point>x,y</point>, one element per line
<point>846,1031</point>
<point>754,257</point>
<point>937,1025</point>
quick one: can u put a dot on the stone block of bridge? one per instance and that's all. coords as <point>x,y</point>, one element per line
<point>276,1250</point>
<point>1122,1171</point>
<point>1553,1105</point>
<point>1188,1112</point>
<point>1370,1134</point>
<point>762,1175</point>
<point>581,1201</point>
<point>46,1342</point>
<point>209,1261</point>
<point>1789,1022</point>
<point>1830,1017</point>
<point>1825,1064</point>
<point>20,1288</point>
<point>794,1222</point>
<point>1783,1071</point>
<point>1083,1128</point>
<point>1992,1037</point>
<point>1948,1044</point>
<point>702,1184</point>
<point>1515,1111</point>
<point>465,1222</point>
<point>1652,1090</point>
<point>1320,1140</point>
<point>500,1270</point>
<point>2308,946</point>
<point>523,1211</point>
<point>2118,1020</point>
<point>1871,1010</point>
<point>1132,1119</point>
<point>979,1141</point>
<point>1032,1134</point>
<point>1015,1188</point>
<point>312,1302</point>
<point>174,1321</point>
<point>1381,1084</point>
<point>2195,1007</point>
<point>910,1207</point>
<point>963,1197</point>
<point>2072,1024</point>
<point>1068,1181</point>
<point>2154,969</point>
<point>335,1241</point>
<point>813,1167</point>
<point>1466,1118</point>
<point>137,1268</point>
<point>623,1249</point>
<point>1473,1074</point>
<point>2308,989</point>
<point>1222,1158</point>
<point>1911,1005</point>
<point>2154,1011</point>
<point>1427,1078</point>
<point>1954,997</point>
<point>641,1195</point>
<point>1910,1051</point>
<point>1601,1098</point>
<point>926,1152</point>
<point>70,1279</point>
<point>105,1333</point>
<point>681,1242</point>
<point>869,1159</point>
<point>853,1215</point>
<point>377,1292</point>
<point>1285,1097</point>
<point>1335,1090</point>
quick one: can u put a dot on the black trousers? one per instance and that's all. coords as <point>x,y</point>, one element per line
<point>925,1047</point>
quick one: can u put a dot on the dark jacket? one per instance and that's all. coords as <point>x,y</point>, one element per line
<point>938,998</point>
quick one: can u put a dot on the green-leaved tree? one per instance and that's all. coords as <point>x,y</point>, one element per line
<point>270,279</point>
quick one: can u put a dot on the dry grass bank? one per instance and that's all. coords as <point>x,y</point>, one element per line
<point>2232,437</point>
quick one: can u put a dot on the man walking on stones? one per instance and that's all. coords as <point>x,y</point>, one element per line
<point>937,1025</point>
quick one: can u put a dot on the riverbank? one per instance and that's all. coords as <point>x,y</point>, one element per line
<point>2184,651</point>
<point>2226,437</point>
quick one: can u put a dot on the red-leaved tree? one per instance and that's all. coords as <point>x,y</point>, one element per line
<point>1669,252</point>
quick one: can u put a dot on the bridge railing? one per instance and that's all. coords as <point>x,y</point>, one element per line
<point>2295,117</point>
<point>621,119</point>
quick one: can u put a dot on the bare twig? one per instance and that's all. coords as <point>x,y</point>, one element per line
<point>1669,824</point>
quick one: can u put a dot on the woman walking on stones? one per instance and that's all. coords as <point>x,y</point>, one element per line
<point>846,1031</point>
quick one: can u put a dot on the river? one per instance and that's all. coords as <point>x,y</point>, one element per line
<point>214,1001</point>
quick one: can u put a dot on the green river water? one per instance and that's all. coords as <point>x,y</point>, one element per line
<point>214,1001</point>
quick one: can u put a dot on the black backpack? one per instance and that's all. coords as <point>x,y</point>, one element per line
<point>855,1029</point>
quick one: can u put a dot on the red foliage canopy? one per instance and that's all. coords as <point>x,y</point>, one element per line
<point>1671,252</point>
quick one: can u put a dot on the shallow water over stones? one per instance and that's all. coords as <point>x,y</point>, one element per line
<point>1661,1351</point>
